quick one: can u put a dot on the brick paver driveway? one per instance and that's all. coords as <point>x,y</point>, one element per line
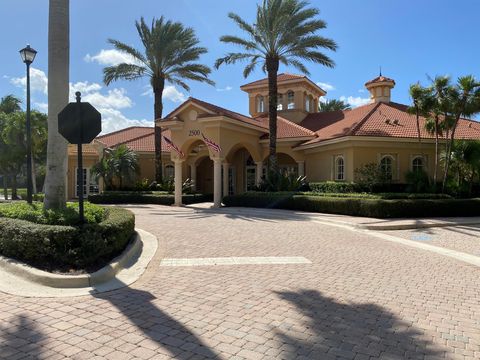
<point>360,298</point>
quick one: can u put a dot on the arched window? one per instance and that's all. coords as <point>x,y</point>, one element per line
<point>260,104</point>
<point>386,166</point>
<point>290,100</point>
<point>339,168</point>
<point>280,102</point>
<point>169,171</point>
<point>418,164</point>
<point>307,103</point>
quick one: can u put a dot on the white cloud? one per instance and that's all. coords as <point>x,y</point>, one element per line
<point>84,87</point>
<point>355,101</point>
<point>323,99</point>
<point>111,57</point>
<point>115,99</point>
<point>171,93</point>
<point>227,88</point>
<point>326,86</point>
<point>40,106</point>
<point>361,91</point>
<point>113,120</point>
<point>38,81</point>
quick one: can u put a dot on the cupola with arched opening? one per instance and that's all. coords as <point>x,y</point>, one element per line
<point>297,97</point>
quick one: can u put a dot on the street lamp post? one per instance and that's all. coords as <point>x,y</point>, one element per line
<point>28,55</point>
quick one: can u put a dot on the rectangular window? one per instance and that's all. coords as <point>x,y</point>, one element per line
<point>85,182</point>
<point>250,177</point>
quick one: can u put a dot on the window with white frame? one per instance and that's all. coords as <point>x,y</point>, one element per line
<point>418,164</point>
<point>280,102</point>
<point>290,100</point>
<point>339,168</point>
<point>85,182</point>
<point>169,171</point>
<point>386,166</point>
<point>307,103</point>
<point>260,104</point>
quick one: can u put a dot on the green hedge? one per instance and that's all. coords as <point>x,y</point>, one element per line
<point>351,187</point>
<point>378,208</point>
<point>135,197</point>
<point>56,246</point>
<point>37,214</point>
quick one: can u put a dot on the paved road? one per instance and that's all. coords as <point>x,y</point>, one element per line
<point>360,298</point>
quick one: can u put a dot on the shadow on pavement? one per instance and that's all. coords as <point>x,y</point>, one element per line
<point>160,327</point>
<point>20,339</point>
<point>341,330</point>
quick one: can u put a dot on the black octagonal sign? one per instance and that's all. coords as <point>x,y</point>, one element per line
<point>79,123</point>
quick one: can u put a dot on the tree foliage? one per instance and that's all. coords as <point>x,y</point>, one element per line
<point>170,53</point>
<point>284,32</point>
<point>333,105</point>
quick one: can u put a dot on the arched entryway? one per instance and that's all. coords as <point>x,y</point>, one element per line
<point>244,173</point>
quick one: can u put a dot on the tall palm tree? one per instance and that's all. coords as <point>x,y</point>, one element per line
<point>333,105</point>
<point>286,32</point>
<point>58,68</point>
<point>168,55</point>
<point>10,104</point>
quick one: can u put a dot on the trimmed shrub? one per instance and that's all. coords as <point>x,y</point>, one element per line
<point>57,246</point>
<point>35,213</point>
<point>378,208</point>
<point>136,197</point>
<point>335,187</point>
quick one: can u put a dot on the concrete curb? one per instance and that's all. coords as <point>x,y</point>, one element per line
<point>416,226</point>
<point>133,259</point>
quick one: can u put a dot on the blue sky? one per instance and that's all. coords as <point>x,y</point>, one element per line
<point>409,39</point>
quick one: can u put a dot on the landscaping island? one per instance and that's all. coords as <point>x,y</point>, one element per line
<point>55,241</point>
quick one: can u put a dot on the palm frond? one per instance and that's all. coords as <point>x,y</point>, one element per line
<point>128,50</point>
<point>122,71</point>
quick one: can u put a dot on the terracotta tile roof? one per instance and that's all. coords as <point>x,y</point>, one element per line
<point>380,119</point>
<point>280,77</point>
<point>378,79</point>
<point>123,135</point>
<point>287,129</point>
<point>146,143</point>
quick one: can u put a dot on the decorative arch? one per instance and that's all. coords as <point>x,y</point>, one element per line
<point>252,149</point>
<point>188,145</point>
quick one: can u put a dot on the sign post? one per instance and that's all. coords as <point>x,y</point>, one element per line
<point>79,123</point>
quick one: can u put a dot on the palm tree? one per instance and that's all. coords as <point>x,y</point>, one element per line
<point>169,54</point>
<point>285,31</point>
<point>10,104</point>
<point>333,105</point>
<point>58,68</point>
<point>464,101</point>
<point>120,163</point>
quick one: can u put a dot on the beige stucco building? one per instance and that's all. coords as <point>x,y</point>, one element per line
<point>225,152</point>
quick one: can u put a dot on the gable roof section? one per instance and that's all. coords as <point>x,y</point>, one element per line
<point>123,135</point>
<point>283,77</point>
<point>287,129</point>
<point>390,120</point>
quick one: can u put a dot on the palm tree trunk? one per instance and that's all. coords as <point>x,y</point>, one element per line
<point>158,86</point>
<point>34,177</point>
<point>5,187</point>
<point>14,187</point>
<point>272,70</point>
<point>58,77</point>
<point>449,152</point>
<point>435,172</point>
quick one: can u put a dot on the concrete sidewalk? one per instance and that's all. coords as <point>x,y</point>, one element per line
<point>355,221</point>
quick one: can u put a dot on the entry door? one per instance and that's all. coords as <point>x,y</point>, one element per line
<point>232,183</point>
<point>250,177</point>
<point>86,182</point>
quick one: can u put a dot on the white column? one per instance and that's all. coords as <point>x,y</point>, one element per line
<point>259,174</point>
<point>217,182</point>
<point>301,168</point>
<point>193,176</point>
<point>226,166</point>
<point>178,182</point>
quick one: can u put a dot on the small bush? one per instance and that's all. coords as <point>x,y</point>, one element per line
<point>35,213</point>
<point>418,182</point>
<point>335,187</point>
<point>278,181</point>
<point>60,247</point>
<point>158,198</point>
<point>367,207</point>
